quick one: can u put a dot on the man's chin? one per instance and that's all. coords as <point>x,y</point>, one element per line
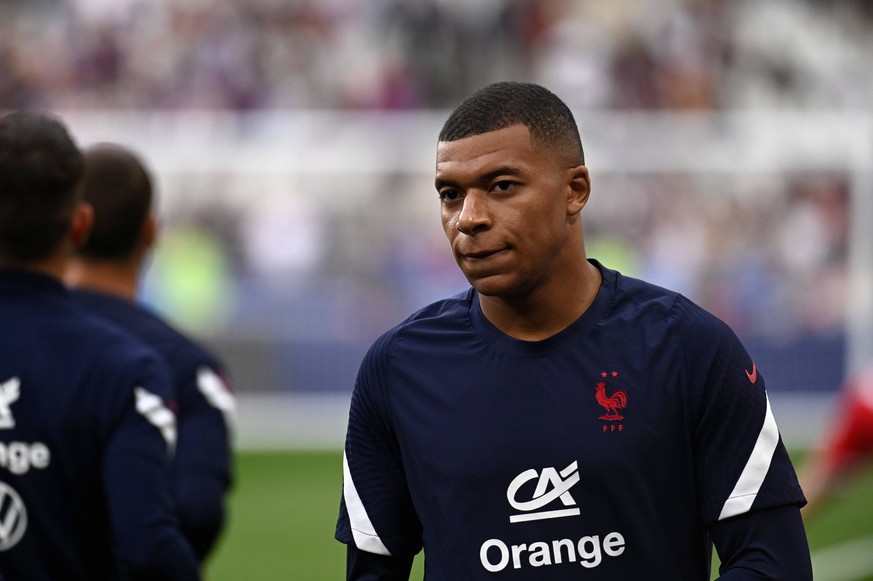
<point>496,286</point>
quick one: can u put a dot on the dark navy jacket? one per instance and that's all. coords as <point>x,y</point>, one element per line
<point>86,436</point>
<point>206,413</point>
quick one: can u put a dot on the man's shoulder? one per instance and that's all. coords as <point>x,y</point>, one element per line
<point>116,349</point>
<point>145,325</point>
<point>106,357</point>
<point>90,332</point>
<point>120,311</point>
<point>639,302</point>
<point>641,293</point>
<point>87,355</point>
<point>447,312</point>
<point>435,319</point>
<point>645,301</point>
<point>171,341</point>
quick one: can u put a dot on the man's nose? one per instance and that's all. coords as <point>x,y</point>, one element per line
<point>475,213</point>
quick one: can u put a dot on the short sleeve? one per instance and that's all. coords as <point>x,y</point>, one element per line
<point>741,462</point>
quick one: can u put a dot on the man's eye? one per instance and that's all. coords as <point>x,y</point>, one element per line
<point>449,195</point>
<point>504,185</point>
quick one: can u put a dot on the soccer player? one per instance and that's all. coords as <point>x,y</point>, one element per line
<point>105,272</point>
<point>846,447</point>
<point>558,420</point>
<point>86,429</point>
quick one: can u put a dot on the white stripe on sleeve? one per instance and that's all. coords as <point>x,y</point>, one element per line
<point>219,396</point>
<point>746,489</point>
<point>363,532</point>
<point>153,409</point>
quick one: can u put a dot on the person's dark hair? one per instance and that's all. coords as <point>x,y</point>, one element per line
<point>508,103</point>
<point>40,166</point>
<point>119,189</point>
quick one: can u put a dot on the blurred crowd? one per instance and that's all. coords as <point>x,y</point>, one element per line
<point>397,54</point>
<point>767,253</point>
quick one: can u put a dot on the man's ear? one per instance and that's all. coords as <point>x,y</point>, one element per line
<point>579,190</point>
<point>149,232</point>
<point>80,224</point>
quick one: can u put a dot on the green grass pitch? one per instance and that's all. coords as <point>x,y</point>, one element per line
<point>284,504</point>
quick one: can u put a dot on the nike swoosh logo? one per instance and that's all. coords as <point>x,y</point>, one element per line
<point>753,376</point>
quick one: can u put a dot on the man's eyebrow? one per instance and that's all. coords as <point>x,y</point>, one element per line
<point>505,170</point>
<point>440,183</point>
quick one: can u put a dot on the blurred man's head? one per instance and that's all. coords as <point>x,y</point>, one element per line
<point>40,166</point>
<point>117,186</point>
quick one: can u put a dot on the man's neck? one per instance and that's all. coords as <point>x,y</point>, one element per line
<point>118,279</point>
<point>534,318</point>
<point>53,267</point>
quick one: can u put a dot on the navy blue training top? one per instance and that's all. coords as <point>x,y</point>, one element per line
<point>205,416</point>
<point>86,434</point>
<point>608,449</point>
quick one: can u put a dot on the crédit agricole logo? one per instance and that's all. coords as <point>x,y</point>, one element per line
<point>549,498</point>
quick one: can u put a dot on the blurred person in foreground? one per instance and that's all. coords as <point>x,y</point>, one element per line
<point>86,427</point>
<point>557,420</point>
<point>105,274</point>
<point>846,448</point>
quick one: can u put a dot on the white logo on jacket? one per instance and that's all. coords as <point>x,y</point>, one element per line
<point>551,485</point>
<point>9,392</point>
<point>13,517</point>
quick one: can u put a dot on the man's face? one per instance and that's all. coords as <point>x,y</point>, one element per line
<point>508,209</point>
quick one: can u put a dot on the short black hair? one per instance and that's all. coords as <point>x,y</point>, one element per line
<point>40,166</point>
<point>506,103</point>
<point>119,189</point>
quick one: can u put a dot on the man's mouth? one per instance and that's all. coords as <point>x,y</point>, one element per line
<point>482,254</point>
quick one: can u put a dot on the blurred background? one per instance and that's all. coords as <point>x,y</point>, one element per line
<point>730,145</point>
